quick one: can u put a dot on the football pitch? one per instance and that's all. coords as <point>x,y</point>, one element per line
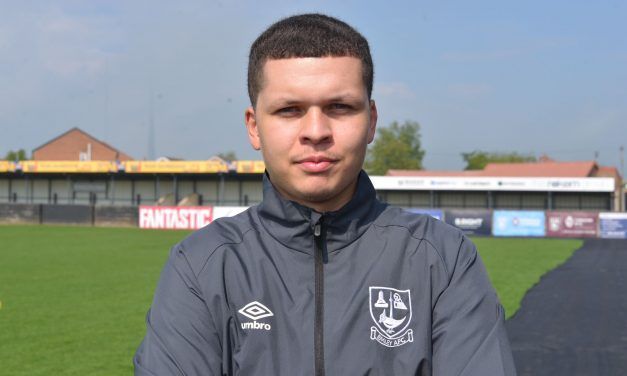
<point>73,299</point>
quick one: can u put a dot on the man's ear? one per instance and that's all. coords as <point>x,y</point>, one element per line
<point>251,127</point>
<point>372,127</point>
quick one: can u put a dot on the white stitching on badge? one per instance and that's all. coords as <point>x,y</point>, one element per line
<point>390,310</point>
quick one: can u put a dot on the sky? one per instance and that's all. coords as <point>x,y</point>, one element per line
<point>532,77</point>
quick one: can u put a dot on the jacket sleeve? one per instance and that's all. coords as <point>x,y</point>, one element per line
<point>180,335</point>
<point>469,335</point>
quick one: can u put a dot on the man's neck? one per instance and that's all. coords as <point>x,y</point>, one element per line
<point>326,205</point>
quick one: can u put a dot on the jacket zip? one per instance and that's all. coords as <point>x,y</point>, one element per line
<point>321,258</point>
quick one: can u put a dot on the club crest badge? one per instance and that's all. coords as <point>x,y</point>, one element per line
<point>390,309</point>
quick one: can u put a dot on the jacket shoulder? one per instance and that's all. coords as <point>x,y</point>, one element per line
<point>200,245</point>
<point>421,226</point>
<point>440,237</point>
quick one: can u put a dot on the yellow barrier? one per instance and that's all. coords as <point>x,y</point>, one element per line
<point>134,167</point>
<point>68,166</point>
<point>173,167</point>
<point>250,167</point>
<point>6,166</point>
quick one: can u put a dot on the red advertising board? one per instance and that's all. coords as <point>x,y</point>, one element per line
<point>571,224</point>
<point>175,217</point>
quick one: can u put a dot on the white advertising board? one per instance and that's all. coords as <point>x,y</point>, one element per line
<point>183,217</point>
<point>227,211</point>
<point>394,183</point>
<point>175,217</point>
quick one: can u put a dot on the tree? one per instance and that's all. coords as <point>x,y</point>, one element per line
<point>477,159</point>
<point>396,147</point>
<point>19,155</point>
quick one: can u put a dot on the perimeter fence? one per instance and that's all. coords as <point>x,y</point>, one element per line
<point>478,222</point>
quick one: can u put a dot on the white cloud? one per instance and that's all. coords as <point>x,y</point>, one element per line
<point>470,90</point>
<point>69,46</point>
<point>69,63</point>
<point>508,53</point>
<point>4,39</point>
<point>398,90</point>
<point>64,25</point>
<point>464,57</point>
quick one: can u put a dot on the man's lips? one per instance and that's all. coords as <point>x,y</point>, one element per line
<point>316,164</point>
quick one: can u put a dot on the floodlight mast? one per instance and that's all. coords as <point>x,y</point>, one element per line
<point>622,161</point>
<point>622,176</point>
<point>151,128</point>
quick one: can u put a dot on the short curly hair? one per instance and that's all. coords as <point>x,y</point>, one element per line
<point>307,35</point>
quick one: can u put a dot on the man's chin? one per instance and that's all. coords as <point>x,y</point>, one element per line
<point>327,198</point>
<point>310,196</point>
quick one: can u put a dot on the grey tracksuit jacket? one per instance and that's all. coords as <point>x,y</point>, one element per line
<point>283,290</point>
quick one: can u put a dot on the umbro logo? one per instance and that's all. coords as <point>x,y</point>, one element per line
<point>255,311</point>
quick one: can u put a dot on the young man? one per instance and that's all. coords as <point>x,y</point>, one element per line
<point>321,278</point>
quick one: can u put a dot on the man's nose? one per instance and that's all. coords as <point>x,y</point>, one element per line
<point>315,127</point>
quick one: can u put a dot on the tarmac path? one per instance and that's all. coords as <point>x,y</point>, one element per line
<point>574,322</point>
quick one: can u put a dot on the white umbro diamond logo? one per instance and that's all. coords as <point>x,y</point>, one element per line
<point>255,311</point>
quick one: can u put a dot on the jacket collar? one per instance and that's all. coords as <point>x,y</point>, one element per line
<point>293,224</point>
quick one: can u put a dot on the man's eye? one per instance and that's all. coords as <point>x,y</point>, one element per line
<point>288,111</point>
<point>340,107</point>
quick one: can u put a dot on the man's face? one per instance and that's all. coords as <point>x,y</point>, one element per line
<point>313,122</point>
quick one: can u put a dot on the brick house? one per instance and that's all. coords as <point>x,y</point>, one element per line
<point>75,145</point>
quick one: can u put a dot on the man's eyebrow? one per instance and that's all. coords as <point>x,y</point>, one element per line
<point>288,101</point>
<point>283,102</point>
<point>345,97</point>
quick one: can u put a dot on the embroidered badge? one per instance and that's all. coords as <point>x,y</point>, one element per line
<point>390,310</point>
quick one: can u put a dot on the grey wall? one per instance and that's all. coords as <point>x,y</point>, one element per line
<point>20,213</point>
<point>115,216</point>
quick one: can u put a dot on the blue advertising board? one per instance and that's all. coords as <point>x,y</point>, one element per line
<point>613,225</point>
<point>435,213</point>
<point>518,223</point>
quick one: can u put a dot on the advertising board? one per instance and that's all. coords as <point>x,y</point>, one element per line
<point>518,223</point>
<point>250,167</point>
<point>171,167</point>
<point>175,217</point>
<point>476,183</point>
<point>435,213</point>
<point>571,224</point>
<point>227,211</point>
<point>68,166</point>
<point>613,225</point>
<point>6,166</point>
<point>471,222</point>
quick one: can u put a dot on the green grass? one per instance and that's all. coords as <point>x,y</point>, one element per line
<point>515,265</point>
<point>73,299</point>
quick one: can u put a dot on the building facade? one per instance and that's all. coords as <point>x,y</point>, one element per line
<point>78,145</point>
